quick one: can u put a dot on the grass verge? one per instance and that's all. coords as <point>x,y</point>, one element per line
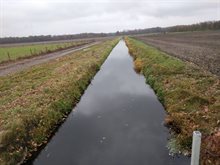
<point>190,96</point>
<point>33,102</point>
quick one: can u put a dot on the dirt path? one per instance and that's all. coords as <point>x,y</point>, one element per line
<point>17,66</point>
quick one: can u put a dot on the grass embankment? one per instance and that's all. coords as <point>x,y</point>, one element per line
<point>24,51</point>
<point>35,101</point>
<point>190,95</point>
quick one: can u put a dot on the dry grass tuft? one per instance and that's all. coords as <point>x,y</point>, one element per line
<point>138,65</point>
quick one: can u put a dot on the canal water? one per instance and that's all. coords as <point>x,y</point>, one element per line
<point>118,121</point>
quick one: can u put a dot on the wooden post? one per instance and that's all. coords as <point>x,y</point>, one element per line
<point>9,58</point>
<point>31,52</point>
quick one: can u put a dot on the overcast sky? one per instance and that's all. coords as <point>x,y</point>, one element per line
<point>42,17</point>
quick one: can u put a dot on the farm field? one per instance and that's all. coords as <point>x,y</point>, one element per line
<point>8,53</point>
<point>39,98</point>
<point>190,95</point>
<point>19,65</point>
<point>201,48</point>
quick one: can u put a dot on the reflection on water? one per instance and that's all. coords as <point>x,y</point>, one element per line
<point>118,121</point>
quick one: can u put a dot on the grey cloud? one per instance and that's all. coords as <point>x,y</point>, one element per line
<point>19,18</point>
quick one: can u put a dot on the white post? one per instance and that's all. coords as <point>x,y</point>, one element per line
<point>196,148</point>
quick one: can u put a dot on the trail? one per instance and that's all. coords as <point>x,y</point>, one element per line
<point>20,65</point>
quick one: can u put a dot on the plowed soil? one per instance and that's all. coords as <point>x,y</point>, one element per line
<point>200,48</point>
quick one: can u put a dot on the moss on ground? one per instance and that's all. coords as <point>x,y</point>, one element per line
<point>190,95</point>
<point>33,102</point>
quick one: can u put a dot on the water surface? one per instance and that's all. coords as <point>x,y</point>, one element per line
<point>118,121</point>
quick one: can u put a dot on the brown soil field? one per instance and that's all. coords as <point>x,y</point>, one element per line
<point>200,48</point>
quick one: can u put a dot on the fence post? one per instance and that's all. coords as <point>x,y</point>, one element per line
<point>9,58</point>
<point>31,51</point>
<point>196,147</point>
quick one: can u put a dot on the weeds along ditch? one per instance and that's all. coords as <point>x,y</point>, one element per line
<point>9,53</point>
<point>33,102</point>
<point>190,95</point>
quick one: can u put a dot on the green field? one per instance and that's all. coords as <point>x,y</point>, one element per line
<point>23,51</point>
<point>190,95</point>
<point>33,102</point>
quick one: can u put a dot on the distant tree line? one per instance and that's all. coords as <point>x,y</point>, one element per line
<point>43,38</point>
<point>209,25</point>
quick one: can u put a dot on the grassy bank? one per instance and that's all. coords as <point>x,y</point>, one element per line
<point>24,51</point>
<point>190,96</point>
<point>34,101</point>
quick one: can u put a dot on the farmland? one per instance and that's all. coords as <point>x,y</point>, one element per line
<point>190,95</point>
<point>19,65</point>
<point>39,98</point>
<point>14,52</point>
<point>200,48</point>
